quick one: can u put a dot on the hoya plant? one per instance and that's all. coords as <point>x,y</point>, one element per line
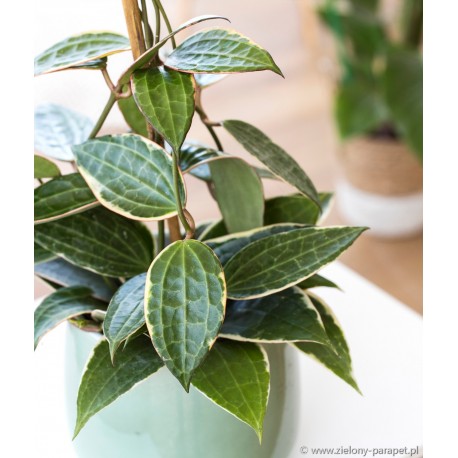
<point>380,91</point>
<point>200,299</point>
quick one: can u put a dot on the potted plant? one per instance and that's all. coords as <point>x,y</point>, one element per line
<point>204,309</point>
<point>378,112</point>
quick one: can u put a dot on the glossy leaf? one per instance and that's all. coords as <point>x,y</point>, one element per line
<point>62,273</point>
<point>239,193</point>
<point>78,50</point>
<point>100,241</point>
<point>296,208</point>
<point>216,229</point>
<point>194,158</point>
<point>236,377</point>
<point>185,300</point>
<point>338,359</point>
<point>286,316</point>
<point>63,196</point>
<point>316,281</point>
<point>61,305</point>
<point>282,260</point>
<point>220,51</point>
<point>125,314</point>
<point>227,246</point>
<point>41,254</point>
<point>102,382</point>
<point>57,129</point>
<point>133,116</point>
<point>44,168</point>
<point>166,98</point>
<point>129,175</point>
<point>272,156</point>
<point>96,64</point>
<point>404,95</point>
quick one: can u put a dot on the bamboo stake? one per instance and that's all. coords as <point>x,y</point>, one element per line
<point>134,27</point>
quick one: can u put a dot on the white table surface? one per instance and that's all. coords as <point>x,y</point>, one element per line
<point>385,339</point>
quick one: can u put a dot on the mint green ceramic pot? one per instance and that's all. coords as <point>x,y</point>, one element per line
<point>158,419</point>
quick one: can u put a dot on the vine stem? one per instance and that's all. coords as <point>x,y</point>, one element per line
<point>147,30</point>
<point>103,116</point>
<point>207,123</point>
<point>166,20</point>
<point>158,22</point>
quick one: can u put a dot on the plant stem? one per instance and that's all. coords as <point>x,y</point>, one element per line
<point>107,79</point>
<point>160,236</point>
<point>176,182</point>
<point>147,31</point>
<point>103,116</point>
<point>158,22</point>
<point>174,229</point>
<point>204,118</point>
<point>166,20</point>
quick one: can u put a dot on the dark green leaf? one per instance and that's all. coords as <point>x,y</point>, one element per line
<point>61,305</point>
<point>194,158</point>
<point>125,314</point>
<point>100,241</point>
<point>133,116</point>
<point>44,168</point>
<point>57,129</point>
<point>103,383</point>
<point>296,208</point>
<point>42,254</point>
<point>239,193</point>
<point>63,196</point>
<point>130,175</point>
<point>272,156</point>
<point>228,245</point>
<point>62,273</point>
<point>220,51</point>
<point>235,376</point>
<point>286,316</point>
<point>166,98</point>
<point>78,50</point>
<point>216,229</point>
<point>96,64</point>
<point>337,360</point>
<point>315,281</point>
<point>282,260</point>
<point>185,300</point>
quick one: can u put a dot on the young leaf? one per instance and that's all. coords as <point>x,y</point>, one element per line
<point>57,129</point>
<point>282,260</point>
<point>100,241</point>
<point>129,175</point>
<point>41,254</point>
<point>227,246</point>
<point>220,51</point>
<point>63,196</point>
<point>44,168</point>
<point>272,156</point>
<point>296,208</point>
<point>338,359</point>
<point>166,98</point>
<point>62,273</point>
<point>315,281</point>
<point>239,193</point>
<point>102,383</point>
<point>125,314</point>
<point>286,316</point>
<point>185,299</point>
<point>78,50</point>
<point>236,377</point>
<point>133,116</point>
<point>61,305</point>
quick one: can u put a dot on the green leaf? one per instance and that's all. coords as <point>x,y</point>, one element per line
<point>296,208</point>
<point>236,377</point>
<point>315,281</point>
<point>272,156</point>
<point>103,383</point>
<point>194,158</point>
<point>44,168</point>
<point>337,360</point>
<point>62,273</point>
<point>216,229</point>
<point>204,80</point>
<point>133,116</point>
<point>185,299</point>
<point>130,175</point>
<point>403,86</point>
<point>239,193</point>
<point>63,196</point>
<point>96,64</point>
<point>41,254</point>
<point>61,305</point>
<point>100,241</point>
<point>286,316</point>
<point>166,98</point>
<point>78,50</point>
<point>57,129</point>
<point>227,246</point>
<point>282,260</point>
<point>220,51</point>
<point>125,314</point>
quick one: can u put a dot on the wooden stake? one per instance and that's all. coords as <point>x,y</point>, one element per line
<point>134,27</point>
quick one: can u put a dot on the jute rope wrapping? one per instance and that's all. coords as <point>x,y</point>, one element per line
<point>381,166</point>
